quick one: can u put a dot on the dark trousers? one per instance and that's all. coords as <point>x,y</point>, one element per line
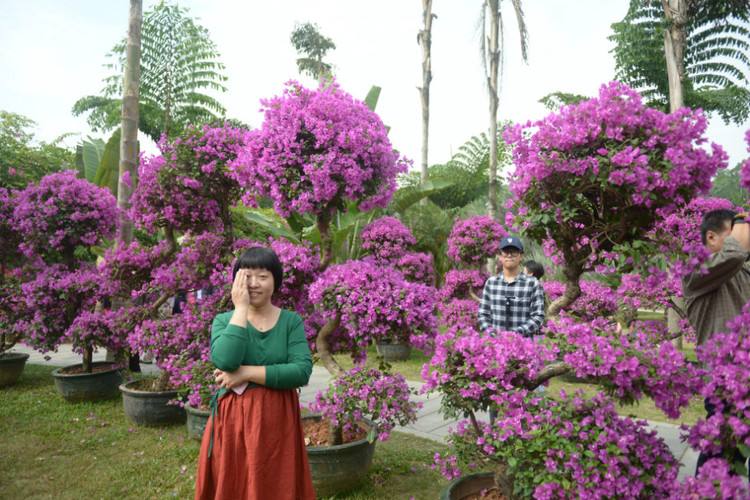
<point>737,457</point>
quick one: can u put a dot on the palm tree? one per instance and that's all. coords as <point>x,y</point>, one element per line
<point>492,52</point>
<point>424,38</point>
<point>702,43</point>
<point>307,40</point>
<point>178,64</point>
<point>129,127</point>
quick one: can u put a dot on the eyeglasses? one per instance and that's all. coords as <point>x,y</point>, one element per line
<point>510,253</point>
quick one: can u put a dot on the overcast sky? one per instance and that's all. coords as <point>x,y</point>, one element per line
<point>53,52</point>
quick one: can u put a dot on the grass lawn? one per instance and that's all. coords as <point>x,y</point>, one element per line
<point>51,449</point>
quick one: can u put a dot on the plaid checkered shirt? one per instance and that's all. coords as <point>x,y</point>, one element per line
<point>517,306</point>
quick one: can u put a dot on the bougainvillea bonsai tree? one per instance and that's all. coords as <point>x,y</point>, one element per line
<point>317,153</point>
<point>184,194</point>
<point>387,240</point>
<point>11,258</point>
<point>564,447</point>
<point>59,220</point>
<point>594,178</point>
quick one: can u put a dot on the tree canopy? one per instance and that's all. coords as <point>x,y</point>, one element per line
<point>179,64</point>
<point>715,60</point>
<point>310,43</point>
<point>22,161</point>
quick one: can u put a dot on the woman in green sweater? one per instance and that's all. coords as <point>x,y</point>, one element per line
<point>253,447</point>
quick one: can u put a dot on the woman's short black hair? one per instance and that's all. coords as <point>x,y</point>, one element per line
<point>535,268</point>
<point>261,258</point>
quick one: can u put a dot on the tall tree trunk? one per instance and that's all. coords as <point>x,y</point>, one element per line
<point>492,85</point>
<point>129,136</point>
<point>425,40</point>
<point>675,41</point>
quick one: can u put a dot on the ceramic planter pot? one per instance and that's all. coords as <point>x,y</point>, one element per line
<point>339,468</point>
<point>150,408</point>
<point>96,386</point>
<point>393,352</point>
<point>196,421</point>
<point>468,485</point>
<point>11,367</point>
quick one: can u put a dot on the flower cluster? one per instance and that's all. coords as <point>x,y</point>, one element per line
<point>417,267</point>
<point>745,171</point>
<point>715,481</point>
<point>62,213</point>
<point>595,176</point>
<point>187,186</point>
<point>459,312</point>
<point>387,239</point>
<point>317,150</point>
<point>649,292</point>
<point>628,367</point>
<point>374,303</point>
<point>54,299</point>
<point>365,392</point>
<point>596,300</point>
<point>472,370</point>
<point>10,238</point>
<point>727,385</point>
<point>475,239</point>
<point>459,283</point>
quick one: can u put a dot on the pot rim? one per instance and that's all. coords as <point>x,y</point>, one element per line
<point>321,449</point>
<point>56,373</point>
<point>14,356</point>
<point>125,389</point>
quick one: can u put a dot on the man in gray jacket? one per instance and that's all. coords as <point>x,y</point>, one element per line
<point>715,297</point>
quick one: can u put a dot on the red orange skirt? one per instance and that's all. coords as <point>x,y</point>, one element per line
<point>258,450</point>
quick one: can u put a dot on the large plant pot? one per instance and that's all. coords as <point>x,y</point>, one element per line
<point>96,386</point>
<point>467,485</point>
<point>150,408</point>
<point>339,468</point>
<point>11,367</point>
<point>196,421</point>
<point>393,352</point>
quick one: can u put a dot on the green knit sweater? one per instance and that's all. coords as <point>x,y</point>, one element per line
<point>283,350</point>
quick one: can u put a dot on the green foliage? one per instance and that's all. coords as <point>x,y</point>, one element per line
<point>554,100</point>
<point>21,160</point>
<point>431,225</point>
<point>99,162</point>
<point>727,186</point>
<point>716,60</point>
<point>468,170</point>
<point>310,43</point>
<point>178,65</point>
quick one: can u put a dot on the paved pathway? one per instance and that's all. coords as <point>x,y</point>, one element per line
<point>430,423</point>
